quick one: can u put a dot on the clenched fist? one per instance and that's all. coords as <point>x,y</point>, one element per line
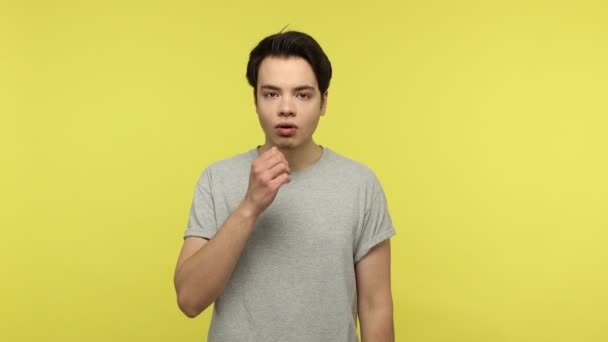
<point>268,173</point>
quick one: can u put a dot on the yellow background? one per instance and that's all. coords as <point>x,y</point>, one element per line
<point>486,122</point>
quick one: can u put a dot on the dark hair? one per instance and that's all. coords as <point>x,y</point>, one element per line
<point>290,44</point>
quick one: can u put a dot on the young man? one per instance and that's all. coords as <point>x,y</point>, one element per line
<point>290,240</point>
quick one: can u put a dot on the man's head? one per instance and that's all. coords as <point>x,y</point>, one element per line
<point>290,44</point>
<point>290,74</point>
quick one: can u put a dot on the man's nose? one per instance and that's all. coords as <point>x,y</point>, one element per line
<point>286,107</point>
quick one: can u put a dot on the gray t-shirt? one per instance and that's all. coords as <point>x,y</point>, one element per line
<point>295,280</point>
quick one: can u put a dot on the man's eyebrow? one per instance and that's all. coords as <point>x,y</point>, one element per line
<point>298,88</point>
<point>268,86</point>
<point>304,87</point>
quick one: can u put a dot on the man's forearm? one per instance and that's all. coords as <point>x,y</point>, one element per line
<point>203,276</point>
<point>377,325</point>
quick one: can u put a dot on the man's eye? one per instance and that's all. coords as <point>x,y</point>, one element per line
<point>270,95</point>
<point>304,96</point>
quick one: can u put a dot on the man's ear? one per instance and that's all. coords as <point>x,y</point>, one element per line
<point>324,103</point>
<point>255,97</point>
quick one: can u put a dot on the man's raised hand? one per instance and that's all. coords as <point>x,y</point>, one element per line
<point>268,173</point>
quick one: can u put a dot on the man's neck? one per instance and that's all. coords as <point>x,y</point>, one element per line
<point>298,158</point>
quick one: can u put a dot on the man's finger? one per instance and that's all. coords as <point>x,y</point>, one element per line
<point>277,170</point>
<point>273,157</point>
<point>273,161</point>
<point>284,160</point>
<point>269,154</point>
<point>281,180</point>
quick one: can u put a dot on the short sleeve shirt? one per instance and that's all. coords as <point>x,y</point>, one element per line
<point>295,280</point>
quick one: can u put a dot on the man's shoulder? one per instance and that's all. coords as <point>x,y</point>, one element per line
<point>236,161</point>
<point>228,168</point>
<point>350,168</point>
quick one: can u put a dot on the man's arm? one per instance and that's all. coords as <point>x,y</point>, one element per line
<point>205,266</point>
<point>375,302</point>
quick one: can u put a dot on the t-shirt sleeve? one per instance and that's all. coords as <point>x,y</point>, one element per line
<point>202,219</point>
<point>377,224</point>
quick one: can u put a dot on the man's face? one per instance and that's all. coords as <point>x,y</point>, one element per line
<point>288,101</point>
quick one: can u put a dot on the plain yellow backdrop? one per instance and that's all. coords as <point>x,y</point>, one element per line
<point>486,122</point>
